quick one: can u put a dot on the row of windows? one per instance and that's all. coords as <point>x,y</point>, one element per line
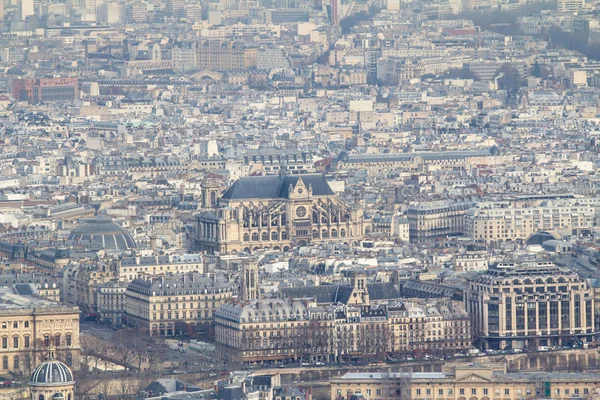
<point>206,305</point>
<point>207,314</point>
<point>265,236</point>
<point>15,325</point>
<point>16,362</point>
<point>41,397</point>
<point>27,341</point>
<point>334,233</point>
<point>418,392</point>
<point>485,391</point>
<point>168,268</point>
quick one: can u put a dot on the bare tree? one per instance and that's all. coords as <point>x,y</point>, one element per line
<point>31,356</point>
<point>318,333</point>
<point>124,348</point>
<point>92,350</point>
<point>126,387</point>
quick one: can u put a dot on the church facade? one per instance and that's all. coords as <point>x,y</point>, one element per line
<point>276,212</point>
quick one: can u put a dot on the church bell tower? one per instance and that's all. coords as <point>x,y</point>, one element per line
<point>249,288</point>
<point>210,194</point>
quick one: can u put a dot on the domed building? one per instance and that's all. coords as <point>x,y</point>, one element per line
<point>104,233</point>
<point>52,380</point>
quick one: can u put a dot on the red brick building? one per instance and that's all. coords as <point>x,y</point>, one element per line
<point>36,90</point>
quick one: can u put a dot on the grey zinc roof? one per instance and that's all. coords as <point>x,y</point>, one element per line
<point>330,294</point>
<point>393,375</point>
<point>429,155</point>
<point>24,289</point>
<point>231,393</point>
<point>104,233</point>
<point>323,294</point>
<point>382,291</point>
<point>188,283</point>
<point>432,289</point>
<point>155,260</point>
<point>273,187</point>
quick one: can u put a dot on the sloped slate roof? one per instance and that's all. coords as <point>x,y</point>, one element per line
<point>382,291</point>
<point>323,294</point>
<point>330,294</point>
<point>274,186</point>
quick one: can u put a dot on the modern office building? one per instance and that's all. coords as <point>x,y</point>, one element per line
<point>36,90</point>
<point>569,6</point>
<point>225,55</point>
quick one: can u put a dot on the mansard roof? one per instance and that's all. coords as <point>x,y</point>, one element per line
<point>332,293</point>
<point>275,186</point>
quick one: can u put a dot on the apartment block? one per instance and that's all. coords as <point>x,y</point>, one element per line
<point>428,220</point>
<point>176,303</point>
<point>506,221</point>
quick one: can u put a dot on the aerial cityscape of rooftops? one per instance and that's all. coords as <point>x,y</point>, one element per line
<point>299,199</point>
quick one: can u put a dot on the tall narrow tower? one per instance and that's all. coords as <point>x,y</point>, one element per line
<point>249,289</point>
<point>25,9</point>
<point>210,194</point>
<point>334,12</point>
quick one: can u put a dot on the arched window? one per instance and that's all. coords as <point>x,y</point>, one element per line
<point>324,234</point>
<point>57,340</point>
<point>342,233</point>
<point>274,236</point>
<point>46,340</point>
<point>283,235</point>
<point>255,237</point>
<point>367,230</point>
<point>5,362</point>
<point>265,236</point>
<point>246,237</point>
<point>213,198</point>
<point>334,233</point>
<point>16,362</point>
<point>315,234</point>
<point>41,397</point>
